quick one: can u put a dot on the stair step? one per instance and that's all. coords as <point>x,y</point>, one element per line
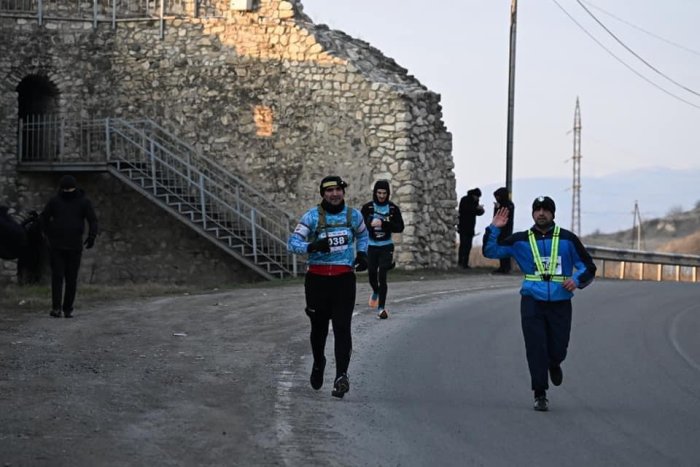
<point>218,220</point>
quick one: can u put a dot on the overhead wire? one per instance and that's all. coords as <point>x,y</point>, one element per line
<point>638,28</point>
<point>665,91</point>
<point>619,41</point>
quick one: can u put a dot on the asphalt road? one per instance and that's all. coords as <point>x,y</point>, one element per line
<point>449,386</point>
<point>222,379</point>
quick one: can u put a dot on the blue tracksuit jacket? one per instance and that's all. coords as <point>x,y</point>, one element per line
<point>573,260</point>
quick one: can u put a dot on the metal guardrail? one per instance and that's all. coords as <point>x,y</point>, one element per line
<point>215,201</point>
<point>644,265</point>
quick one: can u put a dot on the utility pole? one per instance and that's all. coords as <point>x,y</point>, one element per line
<point>637,225</point>
<point>511,97</point>
<point>576,188</point>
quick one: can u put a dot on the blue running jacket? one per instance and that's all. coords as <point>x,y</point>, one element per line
<point>573,260</point>
<point>342,237</point>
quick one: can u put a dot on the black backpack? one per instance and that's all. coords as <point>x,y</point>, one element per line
<point>13,237</point>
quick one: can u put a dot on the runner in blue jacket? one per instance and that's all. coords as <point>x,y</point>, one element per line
<point>547,289</point>
<point>335,238</point>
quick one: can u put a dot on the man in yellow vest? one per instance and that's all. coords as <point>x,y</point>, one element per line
<point>555,263</point>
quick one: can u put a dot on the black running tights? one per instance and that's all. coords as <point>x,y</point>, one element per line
<point>380,260</point>
<point>331,298</point>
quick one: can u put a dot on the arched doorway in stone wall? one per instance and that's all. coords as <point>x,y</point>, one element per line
<point>38,118</point>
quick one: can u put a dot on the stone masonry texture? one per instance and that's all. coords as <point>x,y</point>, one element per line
<point>269,95</point>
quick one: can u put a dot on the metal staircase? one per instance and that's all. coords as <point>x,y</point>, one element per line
<point>197,191</point>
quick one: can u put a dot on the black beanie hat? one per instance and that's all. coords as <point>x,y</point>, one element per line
<point>330,182</point>
<point>544,202</point>
<point>67,182</point>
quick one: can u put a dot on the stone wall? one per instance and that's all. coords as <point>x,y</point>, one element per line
<point>271,96</point>
<point>137,242</point>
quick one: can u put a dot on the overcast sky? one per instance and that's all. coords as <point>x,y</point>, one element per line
<point>459,48</point>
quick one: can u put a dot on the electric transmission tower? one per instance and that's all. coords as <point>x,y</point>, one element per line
<point>576,188</point>
<point>637,226</point>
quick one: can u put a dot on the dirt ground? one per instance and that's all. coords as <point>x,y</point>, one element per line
<point>187,379</point>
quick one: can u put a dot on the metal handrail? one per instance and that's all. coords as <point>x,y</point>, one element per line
<point>109,11</point>
<point>229,206</point>
<point>209,195</point>
<point>218,200</point>
<point>213,170</point>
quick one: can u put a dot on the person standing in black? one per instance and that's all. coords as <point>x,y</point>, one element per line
<point>63,221</point>
<point>502,197</point>
<point>469,209</point>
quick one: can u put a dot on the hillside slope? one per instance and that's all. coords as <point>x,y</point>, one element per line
<point>676,233</point>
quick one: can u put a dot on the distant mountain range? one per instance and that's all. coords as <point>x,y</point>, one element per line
<point>607,203</point>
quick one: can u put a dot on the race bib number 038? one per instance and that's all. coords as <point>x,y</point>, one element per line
<point>338,241</point>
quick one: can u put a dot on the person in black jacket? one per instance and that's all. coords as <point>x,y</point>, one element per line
<point>63,222</point>
<point>382,218</point>
<point>502,197</point>
<point>469,209</point>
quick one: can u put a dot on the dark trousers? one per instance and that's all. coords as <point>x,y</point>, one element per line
<point>380,259</point>
<point>64,266</point>
<point>504,265</point>
<point>465,248</point>
<point>331,298</point>
<point>546,329</point>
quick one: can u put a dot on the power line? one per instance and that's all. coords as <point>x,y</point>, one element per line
<point>617,39</point>
<point>638,28</point>
<point>622,61</point>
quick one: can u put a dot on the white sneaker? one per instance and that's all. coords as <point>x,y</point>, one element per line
<point>383,314</point>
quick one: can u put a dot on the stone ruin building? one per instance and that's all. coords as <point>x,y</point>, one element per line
<point>223,115</point>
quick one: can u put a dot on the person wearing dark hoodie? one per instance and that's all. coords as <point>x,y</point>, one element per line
<point>382,218</point>
<point>63,222</point>
<point>502,197</point>
<point>469,209</point>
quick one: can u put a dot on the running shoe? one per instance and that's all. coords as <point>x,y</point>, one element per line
<point>373,300</point>
<point>541,404</point>
<point>341,386</point>
<point>383,314</point>
<point>316,378</point>
<point>556,376</point>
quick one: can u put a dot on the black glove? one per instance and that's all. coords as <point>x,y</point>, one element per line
<point>89,242</point>
<point>321,245</point>
<point>361,261</point>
